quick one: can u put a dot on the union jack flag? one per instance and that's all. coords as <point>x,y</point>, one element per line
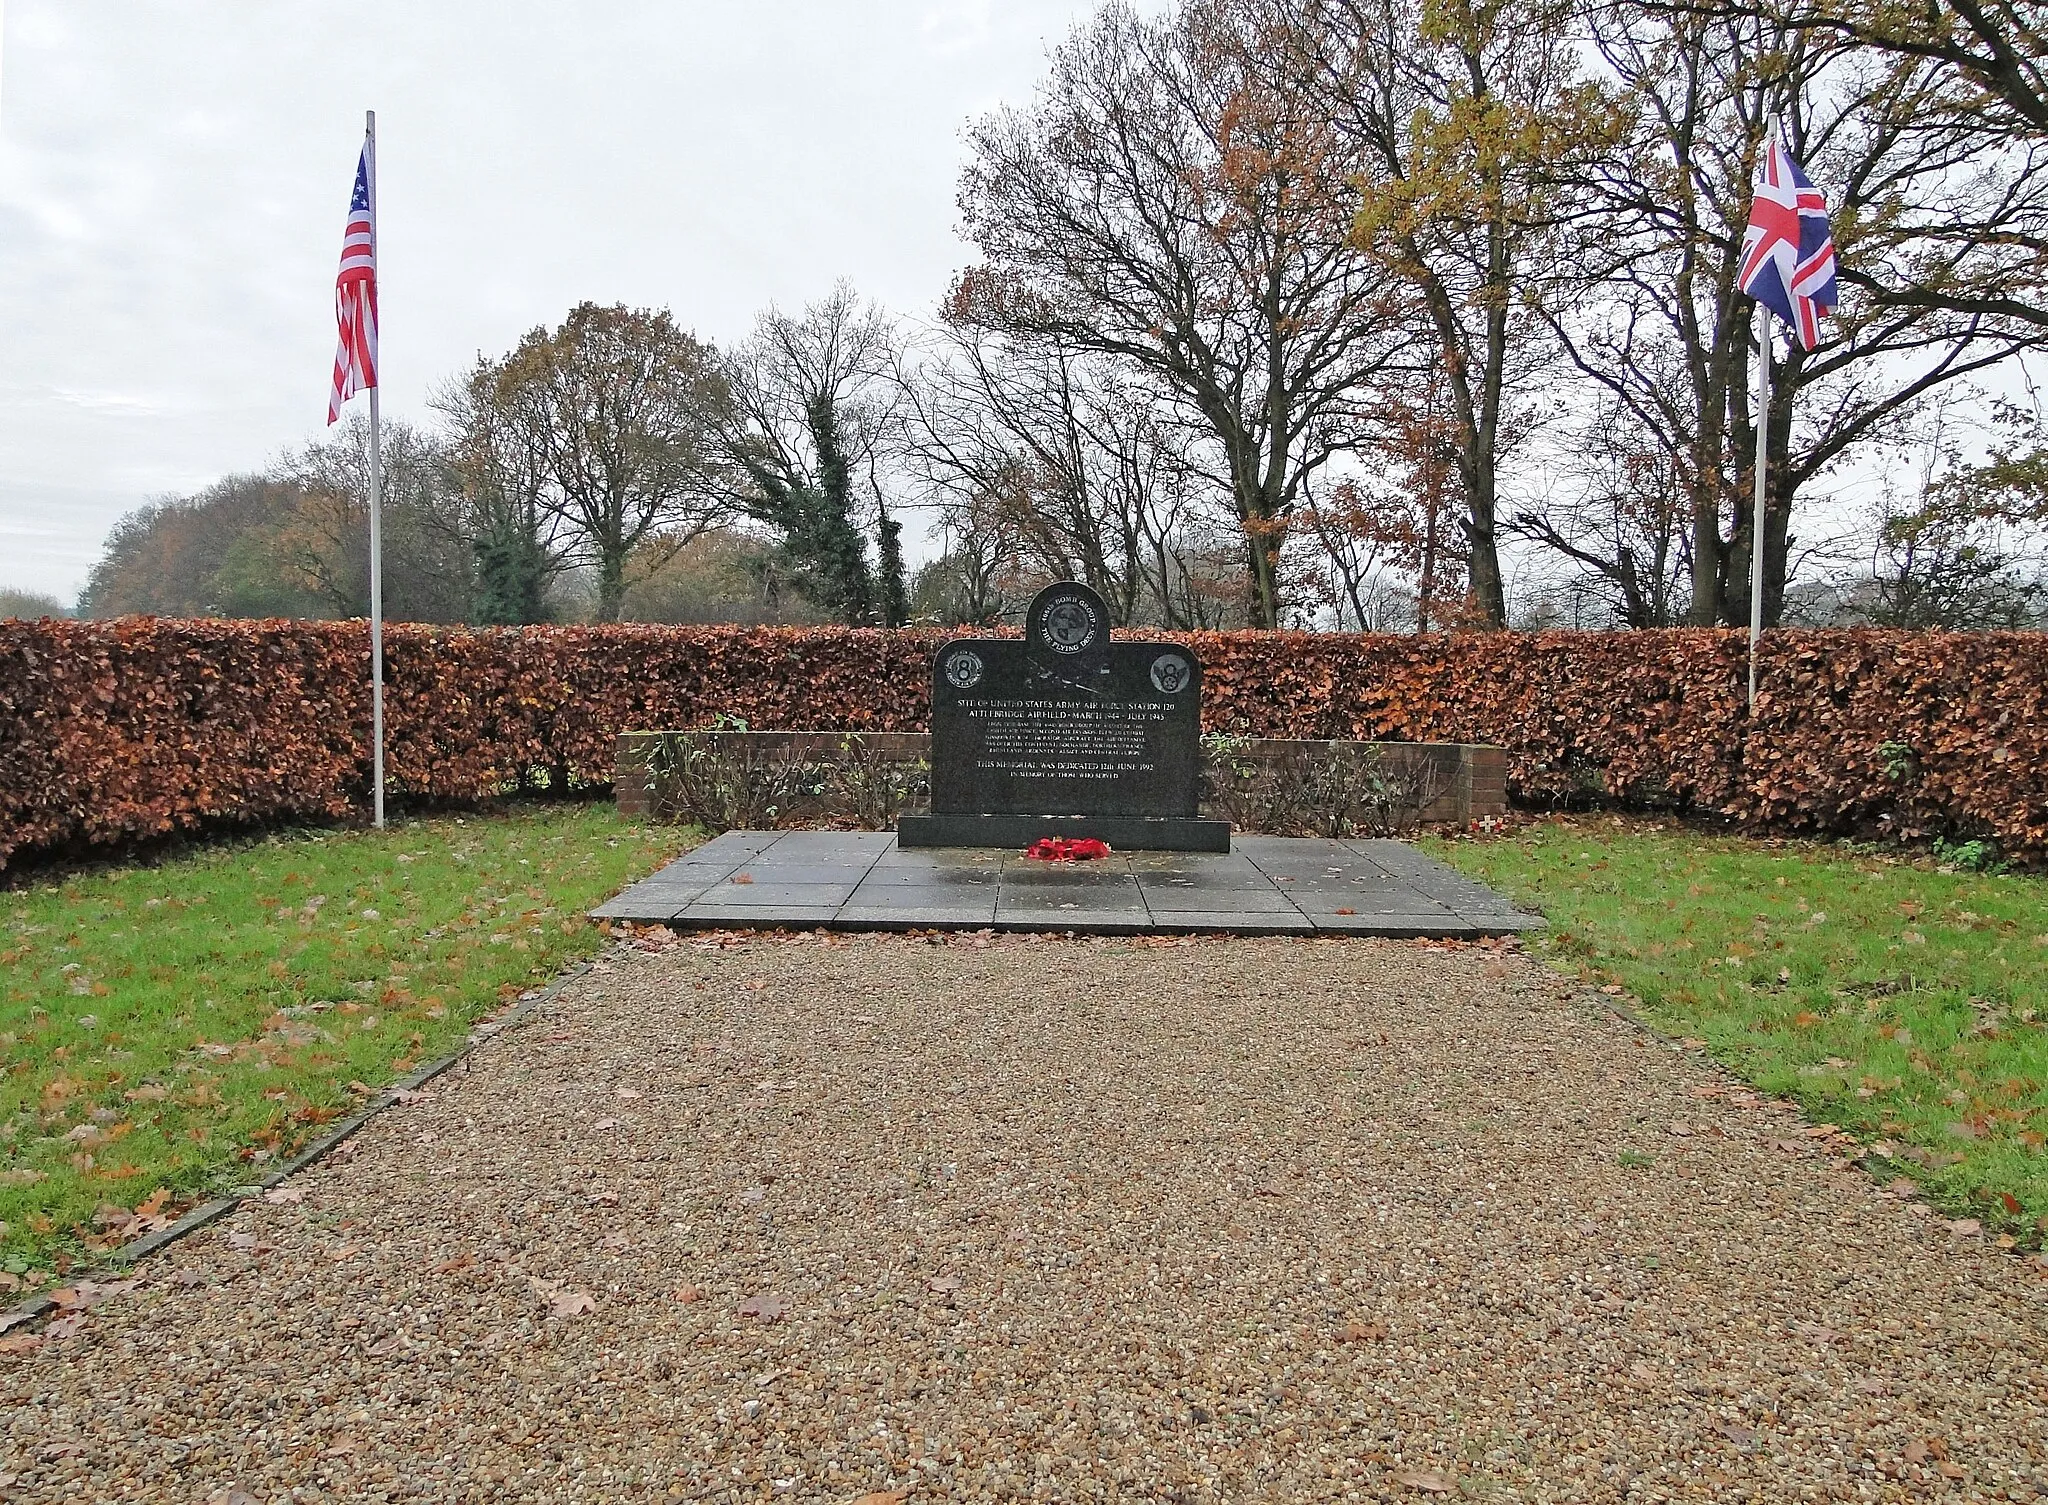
<point>355,292</point>
<point>1788,251</point>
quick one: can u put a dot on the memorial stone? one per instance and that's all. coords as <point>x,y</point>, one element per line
<point>1066,733</point>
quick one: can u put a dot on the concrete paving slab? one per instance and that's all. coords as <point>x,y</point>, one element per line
<point>1269,886</point>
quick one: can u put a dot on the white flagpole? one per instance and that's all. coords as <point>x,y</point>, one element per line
<point>376,526</point>
<point>1756,521</point>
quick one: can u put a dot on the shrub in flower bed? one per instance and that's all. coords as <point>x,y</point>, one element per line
<point>136,728</point>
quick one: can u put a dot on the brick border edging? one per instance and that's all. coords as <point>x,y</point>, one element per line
<point>208,1213</point>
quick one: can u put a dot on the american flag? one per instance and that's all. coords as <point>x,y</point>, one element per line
<point>355,293</point>
<point>1788,252</point>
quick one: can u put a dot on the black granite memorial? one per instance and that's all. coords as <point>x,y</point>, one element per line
<point>1065,734</point>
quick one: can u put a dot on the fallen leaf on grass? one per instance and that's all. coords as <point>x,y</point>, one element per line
<point>763,1308</point>
<point>1429,1480</point>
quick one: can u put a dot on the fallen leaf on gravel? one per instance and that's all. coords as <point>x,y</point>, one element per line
<point>1682,1130</point>
<point>884,1497</point>
<point>945,1285</point>
<point>408,1095</point>
<point>69,1326</point>
<point>1948,1470</point>
<point>1815,1331</point>
<point>450,1266</point>
<point>603,1199</point>
<point>1822,1131</point>
<point>21,1342</point>
<point>754,1196</point>
<point>52,1451</point>
<point>1789,1146</point>
<point>763,1308</point>
<point>231,1496</point>
<point>242,1240</point>
<point>88,1294</point>
<point>1914,1451</point>
<point>605,1123</point>
<point>1643,1372</point>
<point>571,1304</point>
<point>284,1196</point>
<point>1426,1479</point>
<point>1966,1226</point>
<point>689,1294</point>
<point>1904,1186</point>
<point>627,1092</point>
<point>1742,1437</point>
<point>385,1348</point>
<point>1356,1331</point>
<point>763,1381</point>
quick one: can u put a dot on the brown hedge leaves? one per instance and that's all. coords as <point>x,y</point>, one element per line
<point>136,728</point>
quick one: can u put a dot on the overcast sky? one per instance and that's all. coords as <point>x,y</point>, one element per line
<point>174,176</point>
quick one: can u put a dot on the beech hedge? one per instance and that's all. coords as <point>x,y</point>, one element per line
<point>125,730</point>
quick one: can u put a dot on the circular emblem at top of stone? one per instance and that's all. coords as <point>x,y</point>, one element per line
<point>1171,673</point>
<point>1069,626</point>
<point>963,669</point>
<point>1069,619</point>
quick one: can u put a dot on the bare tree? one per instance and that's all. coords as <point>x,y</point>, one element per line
<point>810,408</point>
<point>1067,449</point>
<point>1663,332</point>
<point>1169,202</point>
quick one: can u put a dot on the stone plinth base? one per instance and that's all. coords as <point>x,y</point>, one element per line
<point>1124,833</point>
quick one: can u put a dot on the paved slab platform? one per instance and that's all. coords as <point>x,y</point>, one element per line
<point>1267,885</point>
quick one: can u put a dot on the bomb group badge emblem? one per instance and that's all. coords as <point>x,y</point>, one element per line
<point>1171,673</point>
<point>1070,625</point>
<point>963,670</point>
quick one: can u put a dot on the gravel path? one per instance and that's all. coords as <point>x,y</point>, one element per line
<point>1033,1219</point>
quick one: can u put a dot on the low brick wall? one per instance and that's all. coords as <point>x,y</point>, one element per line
<point>1471,777</point>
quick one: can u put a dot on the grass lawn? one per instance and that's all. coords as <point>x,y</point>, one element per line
<point>170,1029</point>
<point>1902,1002</point>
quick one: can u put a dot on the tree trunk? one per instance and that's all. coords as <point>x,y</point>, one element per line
<point>611,583</point>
